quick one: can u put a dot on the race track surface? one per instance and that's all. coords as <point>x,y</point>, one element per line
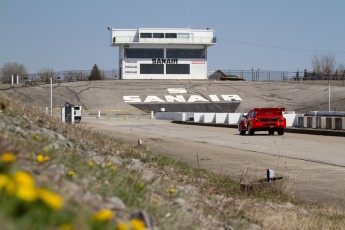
<point>314,165</point>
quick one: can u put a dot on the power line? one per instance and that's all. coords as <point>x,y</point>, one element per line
<point>280,47</point>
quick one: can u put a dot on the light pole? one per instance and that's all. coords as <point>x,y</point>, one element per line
<point>51,96</point>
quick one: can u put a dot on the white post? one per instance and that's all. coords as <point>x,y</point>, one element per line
<point>17,79</point>
<point>329,97</point>
<point>151,114</point>
<point>12,79</point>
<point>51,96</point>
<point>99,114</point>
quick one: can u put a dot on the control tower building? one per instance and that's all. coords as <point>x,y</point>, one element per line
<point>162,53</point>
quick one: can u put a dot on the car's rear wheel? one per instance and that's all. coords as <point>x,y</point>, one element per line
<point>250,130</point>
<point>271,132</point>
<point>242,132</point>
<point>281,132</point>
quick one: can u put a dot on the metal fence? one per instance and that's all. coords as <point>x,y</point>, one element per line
<point>270,75</point>
<point>259,75</point>
<point>72,75</point>
<point>248,75</point>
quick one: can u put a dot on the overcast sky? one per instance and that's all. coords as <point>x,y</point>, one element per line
<point>266,34</point>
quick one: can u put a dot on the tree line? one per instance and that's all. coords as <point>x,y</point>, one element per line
<point>14,68</point>
<point>326,64</point>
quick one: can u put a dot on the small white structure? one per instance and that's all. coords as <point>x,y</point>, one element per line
<point>14,79</point>
<point>162,53</point>
<point>71,113</point>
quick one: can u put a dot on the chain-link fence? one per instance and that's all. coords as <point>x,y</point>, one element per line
<point>270,75</point>
<point>248,75</point>
<point>73,75</point>
<point>258,75</point>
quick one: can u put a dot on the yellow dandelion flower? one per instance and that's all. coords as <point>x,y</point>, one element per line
<point>71,173</point>
<point>37,137</point>
<point>109,164</point>
<point>40,158</point>
<point>26,193</point>
<point>11,188</point>
<point>155,200</point>
<point>8,157</point>
<point>23,179</point>
<point>141,186</point>
<point>4,181</point>
<point>90,163</point>
<point>66,227</point>
<point>121,226</point>
<point>137,224</point>
<point>51,199</point>
<point>103,215</point>
<point>172,190</point>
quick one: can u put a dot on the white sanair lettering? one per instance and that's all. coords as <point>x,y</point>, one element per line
<point>177,98</point>
<point>182,99</point>
<point>131,99</point>
<point>231,98</point>
<point>194,98</point>
<point>214,98</point>
<point>153,99</point>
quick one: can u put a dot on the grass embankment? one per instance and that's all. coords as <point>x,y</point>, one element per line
<point>60,176</point>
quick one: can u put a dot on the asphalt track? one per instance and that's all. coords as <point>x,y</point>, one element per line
<point>314,165</point>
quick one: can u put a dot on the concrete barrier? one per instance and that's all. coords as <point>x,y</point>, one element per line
<point>175,116</point>
<point>234,118</point>
<point>300,121</point>
<point>222,118</point>
<point>328,123</point>
<point>338,123</point>
<point>305,122</point>
<point>190,116</point>
<point>323,123</point>
<point>209,117</point>
<point>292,119</point>
<point>199,117</point>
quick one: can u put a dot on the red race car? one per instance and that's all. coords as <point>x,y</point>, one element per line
<point>263,119</point>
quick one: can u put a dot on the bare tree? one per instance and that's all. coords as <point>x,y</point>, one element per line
<point>47,73</point>
<point>341,67</point>
<point>11,68</point>
<point>316,63</point>
<point>328,64</point>
<point>72,76</point>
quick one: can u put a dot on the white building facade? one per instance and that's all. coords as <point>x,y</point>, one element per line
<point>162,53</point>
